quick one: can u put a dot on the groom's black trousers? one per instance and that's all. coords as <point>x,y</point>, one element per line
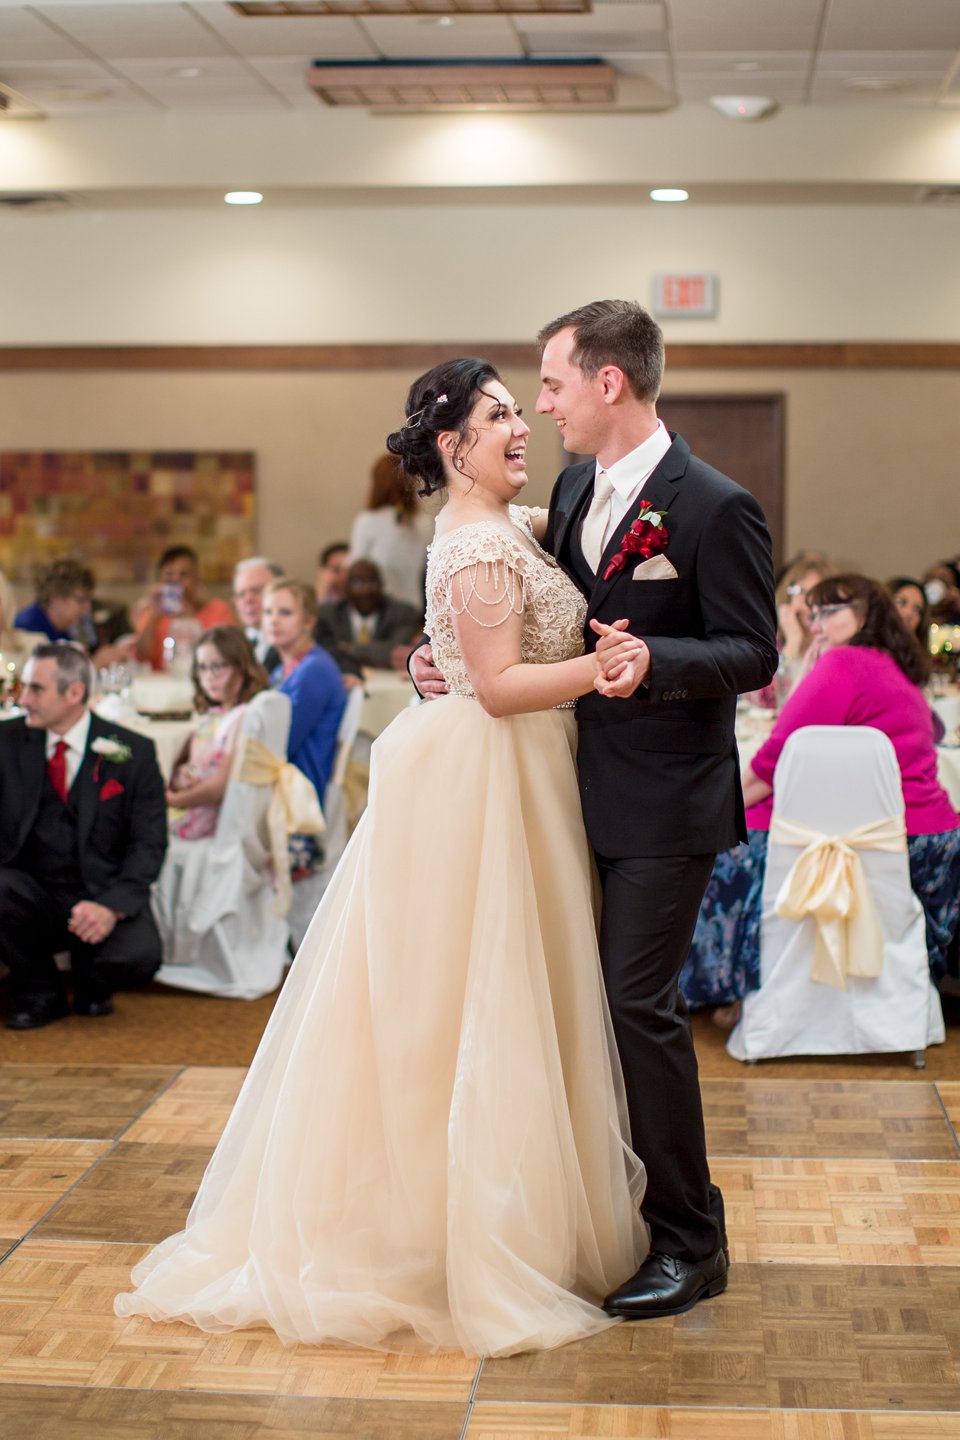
<point>649,913</point>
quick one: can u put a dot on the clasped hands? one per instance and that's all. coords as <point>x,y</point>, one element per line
<point>91,922</point>
<point>624,660</point>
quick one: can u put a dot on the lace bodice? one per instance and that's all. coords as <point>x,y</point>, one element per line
<point>532,584</point>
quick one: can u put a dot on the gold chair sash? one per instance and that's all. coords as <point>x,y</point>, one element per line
<point>294,808</point>
<point>827,883</point>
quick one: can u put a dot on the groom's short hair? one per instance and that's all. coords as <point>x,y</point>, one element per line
<point>614,332</point>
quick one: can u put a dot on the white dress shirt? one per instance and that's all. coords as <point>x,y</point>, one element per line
<point>629,475</point>
<point>76,738</point>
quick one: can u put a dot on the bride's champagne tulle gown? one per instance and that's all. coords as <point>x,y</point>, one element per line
<point>429,1147</point>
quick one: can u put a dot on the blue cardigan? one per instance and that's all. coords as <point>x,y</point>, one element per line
<point>317,699</point>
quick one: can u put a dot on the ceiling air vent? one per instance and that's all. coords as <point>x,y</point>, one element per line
<point>450,84</point>
<point>940,195</point>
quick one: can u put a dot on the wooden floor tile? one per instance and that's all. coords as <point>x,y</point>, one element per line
<point>870,1212</point>
<point>56,1312</point>
<point>949,1092</point>
<point>784,1336</point>
<point>622,1422</point>
<point>77,1101</point>
<point>193,1111</point>
<point>876,1119</point>
<point>35,1173</point>
<point>137,1193</point>
<point>52,1413</point>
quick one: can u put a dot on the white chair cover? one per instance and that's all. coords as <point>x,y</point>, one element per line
<point>839,781</point>
<point>308,892</point>
<point>214,901</point>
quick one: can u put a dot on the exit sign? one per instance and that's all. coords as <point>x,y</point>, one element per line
<point>694,295</point>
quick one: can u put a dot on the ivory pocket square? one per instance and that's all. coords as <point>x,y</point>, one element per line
<point>658,567</point>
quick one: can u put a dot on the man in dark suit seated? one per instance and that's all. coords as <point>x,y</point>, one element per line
<point>368,628</point>
<point>83,830</point>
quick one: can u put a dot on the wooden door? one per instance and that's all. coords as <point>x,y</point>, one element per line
<point>742,435</point>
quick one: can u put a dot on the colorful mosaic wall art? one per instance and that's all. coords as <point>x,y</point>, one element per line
<point>117,511</point>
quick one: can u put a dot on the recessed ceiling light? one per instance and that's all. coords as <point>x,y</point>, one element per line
<point>243,197</point>
<point>187,72</point>
<point>669,197</point>
<point>747,65</point>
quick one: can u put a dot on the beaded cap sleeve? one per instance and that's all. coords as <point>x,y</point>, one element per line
<point>530,581</point>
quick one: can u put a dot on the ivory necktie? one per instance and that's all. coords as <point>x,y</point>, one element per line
<point>57,769</point>
<point>598,517</point>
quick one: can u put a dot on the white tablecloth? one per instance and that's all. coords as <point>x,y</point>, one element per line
<point>387,692</point>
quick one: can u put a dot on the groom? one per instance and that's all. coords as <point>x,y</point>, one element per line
<point>659,777</point>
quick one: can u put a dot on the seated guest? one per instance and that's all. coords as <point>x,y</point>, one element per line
<point>226,676</point>
<point>64,593</point>
<point>250,579</point>
<point>16,645</point>
<point>367,627</point>
<point>177,596</point>
<point>308,676</point>
<point>83,829</point>
<point>394,532</point>
<point>869,673</point>
<point>331,582</point>
<point>794,640</point>
<point>941,586</point>
<point>911,601</point>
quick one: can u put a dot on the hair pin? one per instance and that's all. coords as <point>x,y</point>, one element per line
<point>414,419</point>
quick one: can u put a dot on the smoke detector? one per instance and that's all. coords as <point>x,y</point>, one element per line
<point>743,107</point>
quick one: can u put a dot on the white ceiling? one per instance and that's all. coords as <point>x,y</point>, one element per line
<point>159,57</point>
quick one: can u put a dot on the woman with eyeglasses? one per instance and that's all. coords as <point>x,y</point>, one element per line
<point>226,676</point>
<point>794,583</point>
<point>870,672</point>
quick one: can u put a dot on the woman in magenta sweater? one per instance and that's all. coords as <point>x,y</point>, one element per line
<point>869,673</point>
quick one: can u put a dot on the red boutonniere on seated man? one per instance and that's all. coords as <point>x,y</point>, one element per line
<point>647,536</point>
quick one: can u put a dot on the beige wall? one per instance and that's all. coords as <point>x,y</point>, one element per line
<point>871,457</point>
<point>455,271</point>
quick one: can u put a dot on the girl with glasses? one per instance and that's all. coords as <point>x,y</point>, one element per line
<point>226,675</point>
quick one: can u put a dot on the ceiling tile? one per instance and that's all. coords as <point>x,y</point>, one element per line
<point>134,31</point>
<point>745,24</point>
<point>59,88</point>
<point>785,89</point>
<point>409,37</point>
<point>267,36</point>
<point>25,37</point>
<point>930,25</point>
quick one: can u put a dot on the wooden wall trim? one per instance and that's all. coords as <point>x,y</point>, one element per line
<point>835,356</point>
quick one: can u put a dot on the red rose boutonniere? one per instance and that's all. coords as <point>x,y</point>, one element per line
<point>647,536</point>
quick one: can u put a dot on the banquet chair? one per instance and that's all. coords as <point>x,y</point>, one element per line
<point>215,899</point>
<point>841,782</point>
<point>308,891</point>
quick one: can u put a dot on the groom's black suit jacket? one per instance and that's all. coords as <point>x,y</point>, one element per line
<point>121,811</point>
<point>659,773</point>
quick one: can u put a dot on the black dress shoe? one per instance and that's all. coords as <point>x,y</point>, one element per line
<point>665,1286</point>
<point>92,1008</point>
<point>31,1014</point>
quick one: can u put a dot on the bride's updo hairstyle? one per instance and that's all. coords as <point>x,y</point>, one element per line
<point>443,399</point>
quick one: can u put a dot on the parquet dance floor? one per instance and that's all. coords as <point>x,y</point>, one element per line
<point>842,1320</point>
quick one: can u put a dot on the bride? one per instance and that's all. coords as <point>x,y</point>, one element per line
<point>430,1146</point>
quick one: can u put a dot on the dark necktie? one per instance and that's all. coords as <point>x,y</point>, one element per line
<point>57,769</point>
